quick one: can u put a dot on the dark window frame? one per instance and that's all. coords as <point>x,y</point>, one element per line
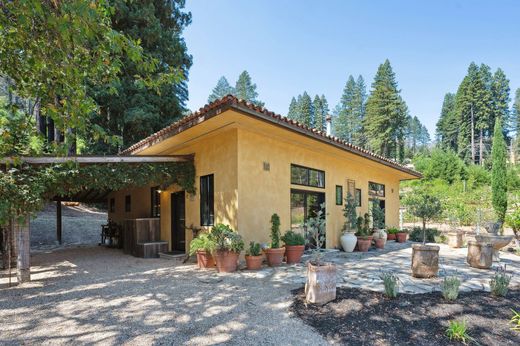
<point>128,203</point>
<point>207,200</point>
<point>155,202</point>
<point>358,199</point>
<point>376,193</point>
<point>309,170</point>
<point>112,205</point>
<point>339,197</point>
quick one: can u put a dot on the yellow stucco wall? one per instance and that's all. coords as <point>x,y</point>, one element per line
<point>140,204</point>
<point>234,147</point>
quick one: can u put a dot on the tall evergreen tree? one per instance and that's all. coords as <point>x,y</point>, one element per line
<point>386,115</point>
<point>501,98</point>
<point>350,112</point>
<point>325,111</point>
<point>220,90</point>
<point>306,110</point>
<point>293,109</point>
<point>417,135</point>
<point>515,118</point>
<point>321,109</point>
<point>134,111</point>
<point>447,126</point>
<point>499,172</point>
<point>245,89</point>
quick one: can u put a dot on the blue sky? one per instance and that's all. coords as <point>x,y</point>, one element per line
<point>290,46</point>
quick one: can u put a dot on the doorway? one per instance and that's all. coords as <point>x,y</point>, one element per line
<point>178,226</point>
<point>304,205</point>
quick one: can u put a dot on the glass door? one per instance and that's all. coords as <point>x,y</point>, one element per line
<point>304,204</point>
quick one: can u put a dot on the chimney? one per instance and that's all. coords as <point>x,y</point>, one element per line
<point>328,124</point>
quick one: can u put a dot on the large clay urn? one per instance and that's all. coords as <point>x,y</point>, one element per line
<point>320,287</point>
<point>227,261</point>
<point>425,260</point>
<point>348,241</point>
<point>480,255</point>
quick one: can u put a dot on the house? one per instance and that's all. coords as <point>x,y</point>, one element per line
<point>251,163</point>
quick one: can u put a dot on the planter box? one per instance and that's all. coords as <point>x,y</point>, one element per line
<point>455,239</point>
<point>320,287</point>
<point>480,255</point>
<point>425,260</point>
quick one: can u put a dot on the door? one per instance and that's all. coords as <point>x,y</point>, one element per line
<point>178,213</point>
<point>304,204</point>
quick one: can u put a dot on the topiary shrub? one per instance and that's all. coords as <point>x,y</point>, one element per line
<point>291,238</point>
<point>417,234</point>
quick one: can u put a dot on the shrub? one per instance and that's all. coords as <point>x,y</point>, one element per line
<point>226,239</point>
<point>275,231</point>
<point>292,238</point>
<point>458,331</point>
<point>254,249</point>
<point>363,226</point>
<point>392,230</point>
<point>499,284</point>
<point>417,234</point>
<point>391,282</point>
<point>450,287</point>
<point>378,215</point>
<point>441,239</point>
<point>515,321</point>
<point>202,242</point>
<point>315,231</point>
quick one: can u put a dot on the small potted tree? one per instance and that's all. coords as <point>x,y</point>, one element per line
<point>348,239</point>
<point>401,235</point>
<point>228,245</point>
<point>254,256</point>
<point>294,246</point>
<point>203,246</point>
<point>364,239</point>
<point>378,224</point>
<point>275,252</point>
<point>320,287</point>
<point>391,233</point>
<point>425,258</point>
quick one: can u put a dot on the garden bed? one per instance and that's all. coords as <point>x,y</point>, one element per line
<point>361,317</point>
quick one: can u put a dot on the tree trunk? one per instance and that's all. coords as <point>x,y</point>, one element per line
<point>481,148</point>
<point>22,236</point>
<point>424,230</point>
<point>472,136</point>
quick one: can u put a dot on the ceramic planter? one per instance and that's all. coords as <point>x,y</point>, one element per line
<point>293,253</point>
<point>227,261</point>
<point>480,255</point>
<point>348,242</point>
<point>205,260</point>
<point>391,236</point>
<point>425,260</point>
<point>363,243</point>
<point>401,237</point>
<point>320,287</point>
<point>254,262</point>
<point>380,243</point>
<point>274,256</point>
<point>455,239</point>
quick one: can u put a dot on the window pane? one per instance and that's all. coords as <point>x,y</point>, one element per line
<point>206,200</point>
<point>317,178</point>
<point>297,210</point>
<point>376,189</point>
<point>358,197</point>
<point>299,175</point>
<point>339,195</point>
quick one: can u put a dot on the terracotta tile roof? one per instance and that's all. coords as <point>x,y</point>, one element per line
<point>231,102</point>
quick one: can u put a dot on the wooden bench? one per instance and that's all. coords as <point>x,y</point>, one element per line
<point>151,249</point>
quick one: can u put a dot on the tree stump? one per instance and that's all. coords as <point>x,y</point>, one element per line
<point>425,261</point>
<point>320,287</point>
<point>480,255</point>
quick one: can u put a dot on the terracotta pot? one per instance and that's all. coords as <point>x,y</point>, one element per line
<point>425,260</point>
<point>320,287</point>
<point>274,256</point>
<point>380,243</point>
<point>227,261</point>
<point>391,236</point>
<point>205,260</point>
<point>293,253</point>
<point>254,262</point>
<point>480,255</point>
<point>364,243</point>
<point>401,237</point>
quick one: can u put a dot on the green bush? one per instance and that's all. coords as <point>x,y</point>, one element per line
<point>226,239</point>
<point>499,284</point>
<point>450,287</point>
<point>362,225</point>
<point>391,282</point>
<point>392,230</point>
<point>254,249</point>
<point>417,234</point>
<point>440,239</point>
<point>275,231</point>
<point>458,331</point>
<point>515,321</point>
<point>202,242</point>
<point>292,238</point>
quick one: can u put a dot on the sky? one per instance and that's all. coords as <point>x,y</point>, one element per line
<point>291,46</point>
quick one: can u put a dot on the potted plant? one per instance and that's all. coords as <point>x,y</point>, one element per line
<point>425,258</point>
<point>401,235</point>
<point>348,239</point>
<point>320,286</point>
<point>228,245</point>
<point>275,252</point>
<point>379,238</point>
<point>203,246</point>
<point>364,239</point>
<point>294,246</point>
<point>391,233</point>
<point>254,256</point>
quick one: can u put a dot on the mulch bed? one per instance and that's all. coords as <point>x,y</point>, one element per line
<point>360,317</point>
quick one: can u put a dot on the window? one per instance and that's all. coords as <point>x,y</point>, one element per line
<point>375,189</point>
<point>304,204</point>
<point>112,206</point>
<point>339,195</point>
<point>358,197</point>
<point>155,201</point>
<point>128,203</point>
<point>307,176</point>
<point>206,200</point>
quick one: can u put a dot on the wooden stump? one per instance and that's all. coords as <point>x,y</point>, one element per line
<point>480,255</point>
<point>425,260</point>
<point>320,287</point>
<point>22,238</point>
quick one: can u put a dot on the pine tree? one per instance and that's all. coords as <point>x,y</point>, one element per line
<point>500,95</point>
<point>350,112</point>
<point>515,119</point>
<point>293,109</point>
<point>386,115</point>
<point>319,115</point>
<point>359,104</point>
<point>220,90</point>
<point>499,172</point>
<point>306,110</point>
<point>245,89</point>
<point>447,126</point>
<point>325,111</point>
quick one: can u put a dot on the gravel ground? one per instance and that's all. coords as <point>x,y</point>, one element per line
<point>99,295</point>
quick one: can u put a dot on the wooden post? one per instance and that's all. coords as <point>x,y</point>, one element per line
<point>22,237</point>
<point>58,222</point>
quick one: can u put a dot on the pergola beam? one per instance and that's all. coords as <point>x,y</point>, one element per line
<point>44,160</point>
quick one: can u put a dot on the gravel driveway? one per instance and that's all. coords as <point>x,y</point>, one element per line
<point>98,295</point>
